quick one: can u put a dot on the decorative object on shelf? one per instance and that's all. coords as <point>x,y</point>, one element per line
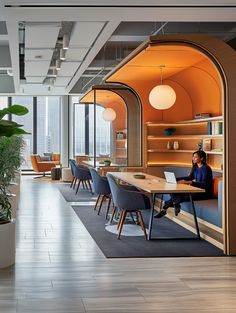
<point>199,145</point>
<point>119,135</point>
<point>169,145</point>
<point>162,97</point>
<point>202,115</point>
<point>169,131</point>
<point>176,145</point>
<point>109,115</point>
<point>107,162</point>
<point>206,144</point>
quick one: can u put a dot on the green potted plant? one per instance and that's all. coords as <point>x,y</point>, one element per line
<point>11,144</point>
<point>107,162</point>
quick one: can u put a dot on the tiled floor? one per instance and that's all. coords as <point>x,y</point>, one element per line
<point>59,268</point>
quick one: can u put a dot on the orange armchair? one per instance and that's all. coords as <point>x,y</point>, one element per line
<point>56,158</point>
<point>41,166</point>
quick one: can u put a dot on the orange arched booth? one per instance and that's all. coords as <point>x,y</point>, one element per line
<point>199,69</point>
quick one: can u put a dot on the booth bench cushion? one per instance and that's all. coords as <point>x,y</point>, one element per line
<point>209,210</point>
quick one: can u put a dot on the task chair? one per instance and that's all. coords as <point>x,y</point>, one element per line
<point>102,189</point>
<point>83,175</point>
<point>72,167</point>
<point>128,201</point>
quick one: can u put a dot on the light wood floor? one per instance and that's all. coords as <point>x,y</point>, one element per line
<point>59,268</point>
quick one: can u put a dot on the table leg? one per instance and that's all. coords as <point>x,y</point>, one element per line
<point>151,217</point>
<point>195,216</point>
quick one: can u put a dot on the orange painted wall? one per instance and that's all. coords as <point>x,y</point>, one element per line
<point>198,86</point>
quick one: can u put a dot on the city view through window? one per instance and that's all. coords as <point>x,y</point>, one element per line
<point>43,122</point>
<point>84,128</point>
<point>45,111</point>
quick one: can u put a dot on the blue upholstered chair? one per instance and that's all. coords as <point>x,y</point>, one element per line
<point>102,189</point>
<point>72,167</point>
<point>83,175</point>
<point>128,201</point>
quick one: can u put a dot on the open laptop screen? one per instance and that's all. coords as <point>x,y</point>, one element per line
<point>170,177</point>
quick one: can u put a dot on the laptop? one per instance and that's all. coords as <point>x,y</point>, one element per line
<point>170,177</point>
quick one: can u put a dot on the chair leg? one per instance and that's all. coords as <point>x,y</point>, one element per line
<point>98,197</point>
<point>108,206</point>
<point>100,206</point>
<point>137,218</point>
<point>72,182</point>
<point>83,184</point>
<point>90,187</point>
<point>75,183</point>
<point>142,224</point>
<point>113,214</point>
<point>78,186</point>
<point>120,218</point>
<point>121,224</point>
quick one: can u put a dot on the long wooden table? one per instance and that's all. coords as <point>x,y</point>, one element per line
<point>156,185</point>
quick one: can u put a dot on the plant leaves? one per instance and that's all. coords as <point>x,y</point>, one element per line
<point>15,109</point>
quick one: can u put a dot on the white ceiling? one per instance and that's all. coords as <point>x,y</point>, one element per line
<point>95,26</point>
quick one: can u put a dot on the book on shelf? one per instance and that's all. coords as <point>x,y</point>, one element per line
<point>215,128</point>
<point>206,144</point>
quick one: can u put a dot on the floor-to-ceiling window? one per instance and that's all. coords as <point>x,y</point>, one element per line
<point>27,122</point>
<point>84,131</point>
<point>48,124</point>
<point>3,102</point>
<point>43,123</point>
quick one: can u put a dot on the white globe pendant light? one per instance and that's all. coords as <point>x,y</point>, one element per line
<point>162,97</point>
<point>109,115</point>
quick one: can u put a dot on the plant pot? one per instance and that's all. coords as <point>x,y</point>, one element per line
<point>14,205</point>
<point>7,244</point>
<point>107,163</point>
<point>14,189</point>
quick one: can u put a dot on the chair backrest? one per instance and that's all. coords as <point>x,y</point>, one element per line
<point>81,158</point>
<point>82,172</point>
<point>115,190</point>
<point>72,166</point>
<point>35,158</point>
<point>100,184</point>
<point>127,199</point>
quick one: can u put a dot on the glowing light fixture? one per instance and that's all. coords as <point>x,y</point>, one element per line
<point>109,114</point>
<point>162,97</point>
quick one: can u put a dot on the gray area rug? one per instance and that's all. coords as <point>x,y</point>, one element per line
<point>130,247</point>
<point>70,196</point>
<point>133,247</point>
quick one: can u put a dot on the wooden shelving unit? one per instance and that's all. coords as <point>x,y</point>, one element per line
<point>120,144</point>
<point>189,134</point>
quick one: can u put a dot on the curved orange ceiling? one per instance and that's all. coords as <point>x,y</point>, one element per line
<point>145,66</point>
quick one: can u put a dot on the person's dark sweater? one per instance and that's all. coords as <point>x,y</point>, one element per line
<point>201,177</point>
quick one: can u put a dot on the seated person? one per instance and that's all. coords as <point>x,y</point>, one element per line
<point>200,176</point>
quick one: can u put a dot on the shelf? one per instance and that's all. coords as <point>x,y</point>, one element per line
<point>181,151</point>
<point>121,139</point>
<point>152,164</point>
<point>201,120</point>
<point>121,148</point>
<point>183,137</point>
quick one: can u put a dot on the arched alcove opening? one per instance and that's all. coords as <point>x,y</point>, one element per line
<point>199,68</point>
<point>127,124</point>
